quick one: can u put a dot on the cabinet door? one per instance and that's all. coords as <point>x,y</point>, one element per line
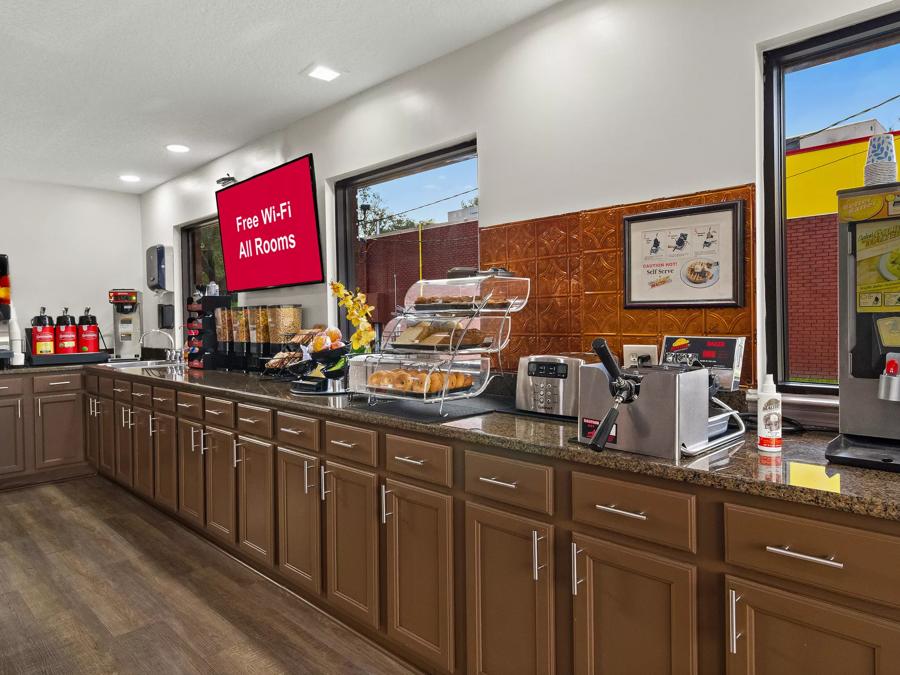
<point>107,417</point>
<point>299,523</point>
<point>92,430</point>
<point>143,452</point>
<point>626,600</point>
<point>773,631</point>
<point>509,575</point>
<point>124,446</point>
<point>59,430</point>
<point>420,570</point>
<point>221,516</point>
<point>12,436</point>
<point>256,499</point>
<point>352,541</point>
<point>165,489</point>
<point>191,502</point>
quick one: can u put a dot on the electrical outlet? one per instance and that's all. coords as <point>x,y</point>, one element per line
<point>632,352</point>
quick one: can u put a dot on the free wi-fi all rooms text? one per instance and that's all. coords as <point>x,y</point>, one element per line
<point>269,215</point>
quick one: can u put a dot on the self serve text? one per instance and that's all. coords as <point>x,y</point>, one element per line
<point>261,245</point>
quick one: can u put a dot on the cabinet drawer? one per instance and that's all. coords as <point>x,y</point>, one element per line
<point>141,394</point>
<point>12,386</point>
<point>122,390</point>
<point>254,420</point>
<point>649,513</point>
<point>359,445</point>
<point>164,399</point>
<point>419,459</point>
<point>843,559</point>
<point>298,431</point>
<point>219,411</point>
<point>105,386</point>
<point>57,383</point>
<point>91,384</point>
<point>510,481</point>
<point>190,405</point>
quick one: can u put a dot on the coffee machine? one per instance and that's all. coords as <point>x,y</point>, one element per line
<point>127,330</point>
<point>869,249</point>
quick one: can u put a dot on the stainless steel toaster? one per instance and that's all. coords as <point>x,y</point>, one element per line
<point>548,385</point>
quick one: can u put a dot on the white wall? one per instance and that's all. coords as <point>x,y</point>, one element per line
<point>68,246</point>
<point>590,103</point>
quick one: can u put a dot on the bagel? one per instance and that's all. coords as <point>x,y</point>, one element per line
<point>435,382</point>
<point>401,380</point>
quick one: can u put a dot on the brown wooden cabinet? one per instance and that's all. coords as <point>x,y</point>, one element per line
<point>105,409</point>
<point>12,436</point>
<point>124,446</point>
<point>773,631</point>
<point>221,511</point>
<point>351,540</point>
<point>299,520</point>
<point>59,430</point>
<point>191,494</point>
<point>255,463</point>
<point>509,579</point>
<point>142,439</point>
<point>634,612</point>
<point>165,458</point>
<point>419,571</point>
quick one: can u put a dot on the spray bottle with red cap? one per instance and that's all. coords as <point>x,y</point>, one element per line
<point>769,416</point>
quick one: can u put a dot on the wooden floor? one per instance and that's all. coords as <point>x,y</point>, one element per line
<point>93,580</point>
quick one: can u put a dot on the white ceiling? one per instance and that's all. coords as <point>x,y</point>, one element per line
<point>93,89</point>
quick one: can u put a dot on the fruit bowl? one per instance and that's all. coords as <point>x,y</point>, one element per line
<point>329,356</point>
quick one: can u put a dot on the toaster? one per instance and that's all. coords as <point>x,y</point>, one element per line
<point>548,385</point>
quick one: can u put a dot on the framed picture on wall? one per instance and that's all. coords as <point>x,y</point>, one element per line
<point>690,257</point>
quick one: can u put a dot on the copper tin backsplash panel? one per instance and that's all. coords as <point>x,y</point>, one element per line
<point>575,265</point>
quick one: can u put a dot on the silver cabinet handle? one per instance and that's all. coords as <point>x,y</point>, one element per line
<point>493,480</point>
<point>56,384</point>
<point>235,453</point>
<point>213,412</point>
<point>786,551</point>
<point>122,416</point>
<point>248,420</point>
<point>384,512</point>
<point>611,508</point>
<point>91,407</point>
<point>3,388</point>
<point>118,391</point>
<point>410,460</point>
<point>193,444</point>
<point>19,407</point>
<point>575,579</point>
<point>733,635</point>
<point>306,485</point>
<point>130,422</point>
<point>136,395</point>
<point>203,435</point>
<point>536,567</point>
<point>343,444</point>
<point>150,420</point>
<point>160,399</point>
<point>295,432</point>
<point>39,407</point>
<point>185,405</point>
<point>322,490</point>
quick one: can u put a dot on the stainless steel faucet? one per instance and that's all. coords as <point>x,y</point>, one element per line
<point>172,354</point>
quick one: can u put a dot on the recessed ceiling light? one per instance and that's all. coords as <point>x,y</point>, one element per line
<point>177,147</point>
<point>129,178</point>
<point>324,73</point>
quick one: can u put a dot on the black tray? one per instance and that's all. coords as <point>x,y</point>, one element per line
<point>416,395</point>
<point>66,359</point>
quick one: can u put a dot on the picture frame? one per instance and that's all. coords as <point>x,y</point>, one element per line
<point>686,257</point>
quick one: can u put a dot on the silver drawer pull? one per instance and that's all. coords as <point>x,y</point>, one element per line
<point>343,444</point>
<point>295,432</point>
<point>733,635</point>
<point>161,399</point>
<point>248,420</point>
<point>410,460</point>
<point>786,551</point>
<point>136,395</point>
<point>4,387</point>
<point>611,508</point>
<point>185,405</point>
<point>56,384</point>
<point>214,412</point>
<point>118,391</point>
<point>493,480</point>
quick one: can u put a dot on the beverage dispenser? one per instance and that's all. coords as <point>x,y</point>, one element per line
<point>126,323</point>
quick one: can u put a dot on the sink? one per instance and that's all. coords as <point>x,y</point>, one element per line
<point>137,364</point>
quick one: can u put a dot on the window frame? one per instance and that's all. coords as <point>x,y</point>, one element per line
<point>776,62</point>
<point>188,278</point>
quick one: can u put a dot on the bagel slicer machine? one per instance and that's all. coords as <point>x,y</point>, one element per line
<point>669,410</point>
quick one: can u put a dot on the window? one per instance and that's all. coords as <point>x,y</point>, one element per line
<point>201,251</point>
<point>824,98</point>
<point>410,221</point>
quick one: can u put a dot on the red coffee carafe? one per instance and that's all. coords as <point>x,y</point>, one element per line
<point>66,333</point>
<point>88,333</point>
<point>42,334</point>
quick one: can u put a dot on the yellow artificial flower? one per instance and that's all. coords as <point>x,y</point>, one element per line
<point>337,289</point>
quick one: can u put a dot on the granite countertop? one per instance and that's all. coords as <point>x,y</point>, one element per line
<point>39,370</point>
<point>799,474</point>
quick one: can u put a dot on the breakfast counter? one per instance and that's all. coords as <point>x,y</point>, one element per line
<point>800,474</point>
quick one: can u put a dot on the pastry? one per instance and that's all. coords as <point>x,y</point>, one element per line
<point>413,334</point>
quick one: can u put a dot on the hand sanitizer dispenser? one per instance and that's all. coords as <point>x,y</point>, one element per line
<point>160,268</point>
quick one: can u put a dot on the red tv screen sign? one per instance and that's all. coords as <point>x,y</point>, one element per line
<point>270,229</point>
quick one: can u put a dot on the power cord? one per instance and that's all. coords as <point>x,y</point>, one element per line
<point>789,426</point>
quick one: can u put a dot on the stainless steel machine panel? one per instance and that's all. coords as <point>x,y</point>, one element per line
<point>670,416</point>
<point>548,385</point>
